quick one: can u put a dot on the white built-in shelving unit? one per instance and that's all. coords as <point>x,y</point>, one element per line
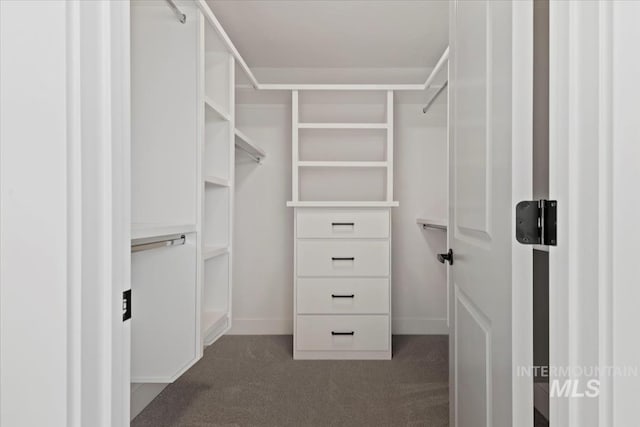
<point>217,89</point>
<point>342,192</point>
<point>244,143</point>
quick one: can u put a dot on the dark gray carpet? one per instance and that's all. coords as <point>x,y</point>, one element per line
<point>253,381</point>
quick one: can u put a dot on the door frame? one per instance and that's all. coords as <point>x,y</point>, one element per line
<point>593,173</point>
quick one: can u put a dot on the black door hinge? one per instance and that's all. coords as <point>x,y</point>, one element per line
<point>536,222</point>
<point>126,305</point>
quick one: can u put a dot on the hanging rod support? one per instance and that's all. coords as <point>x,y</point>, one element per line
<point>171,241</point>
<point>181,16</point>
<point>434,97</point>
<point>255,158</point>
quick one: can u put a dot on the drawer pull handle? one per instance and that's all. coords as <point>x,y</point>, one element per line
<point>342,296</point>
<point>335,258</point>
<point>352,224</point>
<point>342,333</point>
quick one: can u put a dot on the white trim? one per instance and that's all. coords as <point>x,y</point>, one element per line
<point>142,394</point>
<point>522,189</point>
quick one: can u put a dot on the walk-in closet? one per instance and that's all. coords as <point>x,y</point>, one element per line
<point>314,210</point>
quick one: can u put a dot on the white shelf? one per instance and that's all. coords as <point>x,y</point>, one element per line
<point>440,224</point>
<point>212,321</point>
<point>343,125</point>
<point>145,231</point>
<point>245,144</point>
<point>343,204</point>
<point>341,164</point>
<point>216,180</point>
<point>214,251</point>
<point>216,108</point>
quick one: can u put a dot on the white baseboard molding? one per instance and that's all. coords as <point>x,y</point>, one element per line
<point>142,394</point>
<point>419,326</point>
<point>541,398</point>
<point>261,327</point>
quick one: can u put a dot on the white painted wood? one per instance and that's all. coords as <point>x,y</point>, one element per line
<point>389,109</point>
<point>163,328</point>
<point>370,333</point>
<point>343,224</point>
<point>295,155</point>
<point>341,204</point>
<point>214,251</point>
<point>342,296</point>
<point>385,87</point>
<point>342,164</point>
<point>343,125</point>
<point>164,182</point>
<point>593,296</point>
<point>213,21</point>
<point>444,59</point>
<point>217,181</point>
<point>213,106</point>
<point>320,258</point>
<point>490,86</point>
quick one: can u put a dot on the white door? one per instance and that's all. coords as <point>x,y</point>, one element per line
<point>490,171</point>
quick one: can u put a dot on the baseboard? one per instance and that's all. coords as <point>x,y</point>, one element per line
<point>261,327</point>
<point>401,326</point>
<point>419,326</point>
<point>142,394</point>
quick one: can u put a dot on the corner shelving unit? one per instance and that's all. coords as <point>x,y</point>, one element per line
<point>217,81</point>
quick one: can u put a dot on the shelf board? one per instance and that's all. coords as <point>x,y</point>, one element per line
<point>216,180</point>
<point>343,125</point>
<point>440,224</point>
<point>214,251</point>
<point>342,164</point>
<point>216,108</point>
<point>339,204</point>
<point>145,231</point>
<point>245,144</point>
<point>211,321</point>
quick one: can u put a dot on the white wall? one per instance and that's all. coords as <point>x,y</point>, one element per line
<point>263,241</point>
<point>419,280</point>
<point>263,225</point>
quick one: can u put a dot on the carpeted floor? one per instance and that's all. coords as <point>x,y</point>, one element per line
<point>253,381</point>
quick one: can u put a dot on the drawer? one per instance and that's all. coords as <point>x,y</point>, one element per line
<point>342,296</point>
<point>327,258</point>
<point>342,223</point>
<point>363,333</point>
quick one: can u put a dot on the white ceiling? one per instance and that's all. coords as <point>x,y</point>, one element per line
<point>336,33</point>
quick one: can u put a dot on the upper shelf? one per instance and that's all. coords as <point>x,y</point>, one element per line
<point>440,224</point>
<point>211,105</point>
<point>246,145</point>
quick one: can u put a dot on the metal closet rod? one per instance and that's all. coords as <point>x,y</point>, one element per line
<point>181,16</point>
<point>255,158</point>
<point>177,240</point>
<point>434,97</point>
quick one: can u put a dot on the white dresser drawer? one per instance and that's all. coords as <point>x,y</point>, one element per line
<point>331,258</point>
<point>346,333</point>
<point>342,223</point>
<point>343,296</point>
